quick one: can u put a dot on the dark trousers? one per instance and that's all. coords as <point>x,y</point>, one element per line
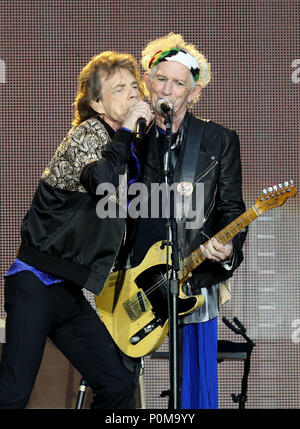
<point>61,312</point>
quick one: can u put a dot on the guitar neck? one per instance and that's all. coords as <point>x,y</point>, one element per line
<point>196,258</point>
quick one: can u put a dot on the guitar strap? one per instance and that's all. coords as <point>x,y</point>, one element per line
<point>193,130</point>
<point>185,172</point>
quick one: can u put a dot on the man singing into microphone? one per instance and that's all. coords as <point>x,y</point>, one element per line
<point>201,152</point>
<point>65,246</point>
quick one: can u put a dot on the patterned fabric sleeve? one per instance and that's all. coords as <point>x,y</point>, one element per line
<point>82,145</point>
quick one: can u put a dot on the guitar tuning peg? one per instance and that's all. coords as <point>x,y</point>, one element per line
<point>275,187</point>
<point>265,191</point>
<point>280,185</point>
<point>291,182</point>
<point>270,189</point>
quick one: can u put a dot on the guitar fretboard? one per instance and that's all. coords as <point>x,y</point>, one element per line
<point>196,258</point>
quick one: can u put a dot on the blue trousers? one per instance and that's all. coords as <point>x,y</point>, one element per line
<point>199,389</point>
<point>62,313</point>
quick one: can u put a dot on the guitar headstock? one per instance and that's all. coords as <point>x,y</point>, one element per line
<point>275,196</point>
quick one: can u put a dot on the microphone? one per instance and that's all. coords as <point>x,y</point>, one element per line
<point>164,106</point>
<point>140,129</point>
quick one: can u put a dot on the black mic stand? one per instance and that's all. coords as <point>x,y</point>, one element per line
<point>172,281</point>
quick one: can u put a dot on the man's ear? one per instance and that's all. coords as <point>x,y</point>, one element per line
<point>97,106</point>
<point>195,93</point>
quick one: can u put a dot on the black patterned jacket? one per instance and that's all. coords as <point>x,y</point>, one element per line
<point>62,233</point>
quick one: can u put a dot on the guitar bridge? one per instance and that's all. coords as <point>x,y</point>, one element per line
<point>136,305</point>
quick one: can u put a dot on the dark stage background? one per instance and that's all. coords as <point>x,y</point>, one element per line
<point>253,47</point>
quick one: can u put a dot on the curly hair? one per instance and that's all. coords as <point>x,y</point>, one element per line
<point>172,41</point>
<point>89,82</point>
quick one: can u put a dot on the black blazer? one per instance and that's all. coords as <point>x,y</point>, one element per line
<point>218,168</point>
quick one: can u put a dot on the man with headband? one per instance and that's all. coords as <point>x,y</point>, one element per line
<point>202,152</point>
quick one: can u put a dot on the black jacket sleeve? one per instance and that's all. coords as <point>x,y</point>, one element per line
<point>229,198</point>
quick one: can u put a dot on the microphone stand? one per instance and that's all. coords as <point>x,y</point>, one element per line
<point>173,281</point>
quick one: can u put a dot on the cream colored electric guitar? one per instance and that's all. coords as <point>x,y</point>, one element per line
<point>134,303</point>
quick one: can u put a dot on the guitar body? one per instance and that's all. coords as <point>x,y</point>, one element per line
<point>134,304</point>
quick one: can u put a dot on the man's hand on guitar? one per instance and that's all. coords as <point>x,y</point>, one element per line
<point>216,252</point>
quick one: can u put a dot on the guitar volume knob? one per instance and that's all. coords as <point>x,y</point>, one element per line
<point>148,328</point>
<point>135,339</point>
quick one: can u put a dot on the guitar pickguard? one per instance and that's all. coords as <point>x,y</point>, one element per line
<point>153,295</point>
<point>153,284</point>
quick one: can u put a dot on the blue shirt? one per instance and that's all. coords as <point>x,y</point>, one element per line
<point>18,266</point>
